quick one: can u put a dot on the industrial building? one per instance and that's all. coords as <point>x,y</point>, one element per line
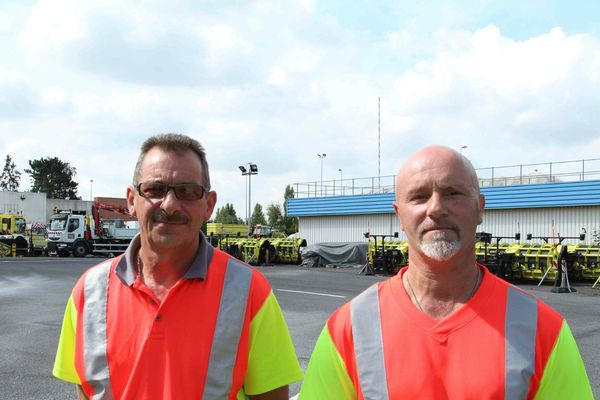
<point>343,213</point>
<point>37,209</point>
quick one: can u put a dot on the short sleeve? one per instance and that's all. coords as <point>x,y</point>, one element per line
<point>272,361</point>
<point>564,375</point>
<point>64,363</point>
<point>326,374</point>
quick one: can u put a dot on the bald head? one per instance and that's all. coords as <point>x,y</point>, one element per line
<point>440,158</point>
<point>439,205</point>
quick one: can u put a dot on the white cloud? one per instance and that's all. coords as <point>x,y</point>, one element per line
<point>492,92</point>
<point>17,98</point>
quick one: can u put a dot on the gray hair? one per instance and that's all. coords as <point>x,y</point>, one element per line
<point>177,143</point>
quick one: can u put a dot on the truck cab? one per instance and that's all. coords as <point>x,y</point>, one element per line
<point>12,224</point>
<point>66,234</point>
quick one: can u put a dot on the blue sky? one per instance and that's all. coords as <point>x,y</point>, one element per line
<point>277,82</point>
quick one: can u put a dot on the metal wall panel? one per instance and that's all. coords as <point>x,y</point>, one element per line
<point>347,228</point>
<point>556,194</point>
<point>568,221</point>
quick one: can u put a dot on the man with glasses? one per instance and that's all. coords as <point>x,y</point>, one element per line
<point>174,318</point>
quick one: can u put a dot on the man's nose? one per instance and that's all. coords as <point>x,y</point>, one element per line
<point>436,206</point>
<point>170,202</point>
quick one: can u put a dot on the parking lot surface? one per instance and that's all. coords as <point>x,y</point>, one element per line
<point>34,291</point>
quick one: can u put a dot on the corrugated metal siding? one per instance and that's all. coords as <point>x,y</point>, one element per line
<point>341,205</point>
<point>568,221</point>
<point>557,194</point>
<point>346,228</point>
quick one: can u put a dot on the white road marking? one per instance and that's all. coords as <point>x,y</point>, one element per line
<point>317,294</point>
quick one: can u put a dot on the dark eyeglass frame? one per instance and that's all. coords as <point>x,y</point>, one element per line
<point>179,189</point>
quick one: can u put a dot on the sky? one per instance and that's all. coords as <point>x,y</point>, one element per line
<point>276,83</point>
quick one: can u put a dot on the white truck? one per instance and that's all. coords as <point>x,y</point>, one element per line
<point>78,233</point>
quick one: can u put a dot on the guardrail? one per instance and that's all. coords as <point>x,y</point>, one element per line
<point>506,175</point>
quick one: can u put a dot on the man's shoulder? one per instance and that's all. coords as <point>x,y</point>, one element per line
<point>79,285</point>
<point>241,267</point>
<point>544,311</point>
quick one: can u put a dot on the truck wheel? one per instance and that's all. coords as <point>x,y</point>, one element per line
<point>79,249</point>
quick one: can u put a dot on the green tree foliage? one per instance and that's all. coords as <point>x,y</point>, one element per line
<point>11,177</point>
<point>54,177</point>
<point>290,223</point>
<point>275,217</point>
<point>227,215</point>
<point>258,217</point>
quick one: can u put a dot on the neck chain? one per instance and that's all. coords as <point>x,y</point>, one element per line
<point>139,266</point>
<point>471,293</point>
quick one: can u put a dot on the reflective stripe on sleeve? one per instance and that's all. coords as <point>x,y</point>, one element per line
<point>520,336</point>
<point>94,331</point>
<point>228,330</point>
<point>368,344</point>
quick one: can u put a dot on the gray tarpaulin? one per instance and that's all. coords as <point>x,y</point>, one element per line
<point>352,254</point>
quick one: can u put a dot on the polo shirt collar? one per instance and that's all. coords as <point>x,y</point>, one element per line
<point>126,269</point>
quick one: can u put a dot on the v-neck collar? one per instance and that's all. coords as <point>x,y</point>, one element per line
<point>440,330</point>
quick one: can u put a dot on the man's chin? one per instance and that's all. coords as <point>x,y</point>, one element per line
<point>440,250</point>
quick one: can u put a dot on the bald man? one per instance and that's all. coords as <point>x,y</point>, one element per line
<point>444,327</point>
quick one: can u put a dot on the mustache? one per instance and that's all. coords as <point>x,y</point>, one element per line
<point>437,225</point>
<point>161,216</point>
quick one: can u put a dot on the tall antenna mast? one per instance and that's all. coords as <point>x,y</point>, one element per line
<point>379,142</point>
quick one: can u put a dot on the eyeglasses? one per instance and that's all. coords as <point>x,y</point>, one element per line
<point>183,191</point>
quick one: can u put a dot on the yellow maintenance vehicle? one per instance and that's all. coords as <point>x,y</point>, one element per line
<point>538,259</point>
<point>266,245</point>
<point>505,256</point>
<point>16,237</point>
<point>386,257</point>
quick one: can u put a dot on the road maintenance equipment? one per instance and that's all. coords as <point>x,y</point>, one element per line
<point>78,233</point>
<point>386,257</point>
<point>265,246</point>
<point>14,230</point>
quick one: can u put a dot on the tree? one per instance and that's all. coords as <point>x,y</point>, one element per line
<point>54,177</point>
<point>227,215</point>
<point>11,177</point>
<point>258,217</point>
<point>275,216</point>
<point>290,223</point>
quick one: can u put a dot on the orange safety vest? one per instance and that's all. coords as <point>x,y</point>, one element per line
<point>517,350</point>
<point>93,357</point>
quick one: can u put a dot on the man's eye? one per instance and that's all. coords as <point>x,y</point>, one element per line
<point>418,197</point>
<point>153,189</point>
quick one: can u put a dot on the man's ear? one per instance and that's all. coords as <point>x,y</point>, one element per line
<point>211,201</point>
<point>395,204</point>
<point>130,200</point>
<point>481,208</point>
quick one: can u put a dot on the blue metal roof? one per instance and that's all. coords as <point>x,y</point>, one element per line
<point>556,194</point>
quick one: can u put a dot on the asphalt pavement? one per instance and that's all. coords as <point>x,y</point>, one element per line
<point>34,291</point>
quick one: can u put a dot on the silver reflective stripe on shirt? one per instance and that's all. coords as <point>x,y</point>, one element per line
<point>230,321</point>
<point>368,344</point>
<point>95,290</point>
<point>520,336</point>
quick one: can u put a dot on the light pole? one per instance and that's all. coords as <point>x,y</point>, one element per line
<point>91,196</point>
<point>462,148</point>
<point>252,170</point>
<point>322,156</point>
<point>341,179</point>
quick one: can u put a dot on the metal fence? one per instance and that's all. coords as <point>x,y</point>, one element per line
<point>506,175</point>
